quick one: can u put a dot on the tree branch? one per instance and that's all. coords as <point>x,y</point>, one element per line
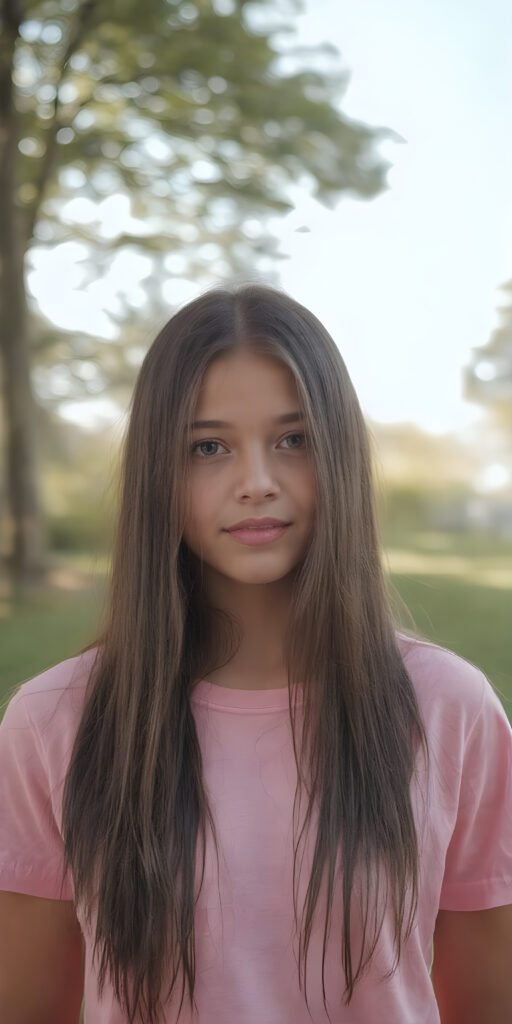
<point>77,34</point>
<point>11,16</point>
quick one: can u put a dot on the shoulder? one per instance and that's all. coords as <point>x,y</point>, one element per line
<point>52,701</point>
<point>37,734</point>
<point>452,692</point>
<point>470,739</point>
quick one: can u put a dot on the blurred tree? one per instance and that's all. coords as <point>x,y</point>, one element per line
<point>195,113</point>
<point>489,377</point>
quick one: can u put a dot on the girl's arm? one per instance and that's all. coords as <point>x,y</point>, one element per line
<point>41,960</point>
<point>472,968</point>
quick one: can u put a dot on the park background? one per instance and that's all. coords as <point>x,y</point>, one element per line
<point>357,155</point>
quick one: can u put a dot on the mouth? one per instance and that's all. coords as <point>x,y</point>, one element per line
<point>252,526</point>
<point>271,526</point>
<point>258,535</point>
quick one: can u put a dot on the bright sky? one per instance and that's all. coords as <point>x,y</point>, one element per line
<point>407,283</point>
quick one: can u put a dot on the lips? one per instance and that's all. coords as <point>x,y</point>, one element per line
<point>273,526</point>
<point>258,536</point>
<point>257,524</point>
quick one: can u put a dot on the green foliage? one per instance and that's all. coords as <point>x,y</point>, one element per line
<point>405,507</point>
<point>206,83</point>
<point>79,501</point>
<point>205,115</point>
<point>489,379</point>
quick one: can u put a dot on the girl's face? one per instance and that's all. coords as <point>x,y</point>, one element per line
<point>254,467</point>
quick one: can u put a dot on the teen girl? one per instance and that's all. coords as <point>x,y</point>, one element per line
<point>252,800</point>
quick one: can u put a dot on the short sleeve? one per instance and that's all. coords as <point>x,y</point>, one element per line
<point>478,866</point>
<point>31,846</point>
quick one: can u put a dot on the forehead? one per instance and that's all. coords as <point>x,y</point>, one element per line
<point>244,379</point>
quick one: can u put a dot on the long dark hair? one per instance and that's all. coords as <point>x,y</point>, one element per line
<point>134,800</point>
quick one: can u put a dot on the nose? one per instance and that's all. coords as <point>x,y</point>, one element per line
<point>255,472</point>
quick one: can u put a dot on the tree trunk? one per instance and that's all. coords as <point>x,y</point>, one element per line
<point>25,541</point>
<point>25,533</point>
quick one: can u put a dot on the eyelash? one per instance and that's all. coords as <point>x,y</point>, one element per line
<point>198,443</point>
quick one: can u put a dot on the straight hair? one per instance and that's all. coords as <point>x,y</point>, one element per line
<point>134,800</point>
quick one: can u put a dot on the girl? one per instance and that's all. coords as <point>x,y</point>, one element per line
<point>249,737</point>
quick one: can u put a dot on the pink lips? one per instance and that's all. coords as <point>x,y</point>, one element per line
<point>256,536</point>
<point>257,523</point>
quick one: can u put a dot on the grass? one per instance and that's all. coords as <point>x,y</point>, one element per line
<point>459,591</point>
<point>457,587</point>
<point>44,630</point>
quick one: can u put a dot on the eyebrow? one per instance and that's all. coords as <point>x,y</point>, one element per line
<point>287,417</point>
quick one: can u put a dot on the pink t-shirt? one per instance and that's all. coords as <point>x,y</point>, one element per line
<point>246,949</point>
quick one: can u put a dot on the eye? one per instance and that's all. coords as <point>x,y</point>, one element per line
<point>203,455</point>
<point>199,444</point>
<point>287,438</point>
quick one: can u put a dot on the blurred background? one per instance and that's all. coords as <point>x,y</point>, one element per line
<point>357,155</point>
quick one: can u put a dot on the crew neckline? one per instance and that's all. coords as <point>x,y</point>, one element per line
<point>207,692</point>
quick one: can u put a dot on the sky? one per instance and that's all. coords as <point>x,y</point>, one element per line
<point>408,282</point>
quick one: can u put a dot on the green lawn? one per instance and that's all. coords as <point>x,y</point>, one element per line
<point>457,587</point>
<point>47,629</point>
<point>459,592</point>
